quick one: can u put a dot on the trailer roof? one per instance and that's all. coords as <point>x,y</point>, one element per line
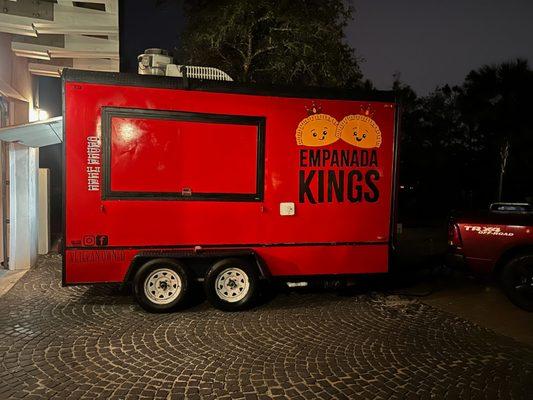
<point>167,82</point>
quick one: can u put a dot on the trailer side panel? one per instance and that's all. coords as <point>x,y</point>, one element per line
<point>156,168</point>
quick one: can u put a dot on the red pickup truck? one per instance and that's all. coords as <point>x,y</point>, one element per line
<point>500,242</point>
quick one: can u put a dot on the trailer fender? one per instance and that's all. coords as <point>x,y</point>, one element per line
<point>198,261</point>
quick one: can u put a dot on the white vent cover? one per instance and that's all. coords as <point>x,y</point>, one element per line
<point>196,72</point>
<point>159,62</point>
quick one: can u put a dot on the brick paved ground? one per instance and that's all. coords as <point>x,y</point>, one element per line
<point>94,342</point>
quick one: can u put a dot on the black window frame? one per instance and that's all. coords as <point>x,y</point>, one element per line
<point>108,113</point>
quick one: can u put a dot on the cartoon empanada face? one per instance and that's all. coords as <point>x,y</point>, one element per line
<point>359,130</point>
<point>317,130</point>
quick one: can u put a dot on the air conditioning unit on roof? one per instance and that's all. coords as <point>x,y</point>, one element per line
<point>159,62</point>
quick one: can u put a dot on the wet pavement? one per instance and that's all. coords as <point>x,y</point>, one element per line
<point>482,302</point>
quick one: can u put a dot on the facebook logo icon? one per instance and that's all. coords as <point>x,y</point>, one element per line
<point>101,240</point>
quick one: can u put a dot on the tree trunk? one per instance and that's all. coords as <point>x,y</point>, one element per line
<point>504,157</point>
<point>247,60</point>
<point>500,186</point>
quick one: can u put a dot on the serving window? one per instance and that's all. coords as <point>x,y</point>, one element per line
<point>171,155</point>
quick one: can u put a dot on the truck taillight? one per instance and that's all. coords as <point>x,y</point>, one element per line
<point>454,235</point>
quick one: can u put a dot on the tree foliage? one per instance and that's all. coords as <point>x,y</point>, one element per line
<point>286,41</point>
<point>462,144</point>
<point>459,144</point>
<point>437,152</point>
<point>495,101</point>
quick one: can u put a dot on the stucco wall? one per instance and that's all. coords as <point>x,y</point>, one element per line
<point>14,71</point>
<point>23,165</point>
<point>21,81</point>
<point>5,56</point>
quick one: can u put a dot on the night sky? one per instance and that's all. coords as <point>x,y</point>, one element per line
<point>145,24</point>
<point>429,42</point>
<point>433,42</point>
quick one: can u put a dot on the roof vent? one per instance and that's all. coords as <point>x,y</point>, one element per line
<point>153,62</point>
<point>158,62</point>
<point>195,72</point>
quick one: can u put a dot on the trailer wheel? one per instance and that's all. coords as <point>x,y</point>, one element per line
<point>161,285</point>
<point>231,284</point>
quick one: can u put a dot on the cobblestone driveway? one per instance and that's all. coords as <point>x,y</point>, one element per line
<point>94,342</point>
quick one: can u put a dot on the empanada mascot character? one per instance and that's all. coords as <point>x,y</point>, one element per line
<point>317,130</point>
<point>359,130</point>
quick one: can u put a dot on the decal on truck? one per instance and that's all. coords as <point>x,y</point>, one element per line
<point>488,230</point>
<point>359,130</point>
<point>95,240</point>
<point>94,151</point>
<point>94,256</point>
<point>332,175</point>
<point>319,129</point>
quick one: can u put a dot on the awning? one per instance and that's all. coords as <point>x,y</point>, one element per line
<point>7,90</point>
<point>35,134</point>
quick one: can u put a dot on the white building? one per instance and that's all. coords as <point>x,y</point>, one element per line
<point>40,38</point>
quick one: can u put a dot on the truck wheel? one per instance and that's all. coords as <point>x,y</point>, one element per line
<point>517,281</point>
<point>161,285</point>
<point>231,284</point>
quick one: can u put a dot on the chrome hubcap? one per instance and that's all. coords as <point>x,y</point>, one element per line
<point>232,284</point>
<point>162,286</point>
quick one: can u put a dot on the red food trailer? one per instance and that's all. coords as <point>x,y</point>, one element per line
<point>169,182</point>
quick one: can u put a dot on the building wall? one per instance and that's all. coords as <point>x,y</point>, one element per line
<point>14,71</point>
<point>5,75</point>
<point>21,166</point>
<point>22,82</point>
<point>5,54</point>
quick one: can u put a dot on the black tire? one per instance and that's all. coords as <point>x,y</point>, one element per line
<point>149,300</point>
<point>223,300</point>
<point>516,278</point>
